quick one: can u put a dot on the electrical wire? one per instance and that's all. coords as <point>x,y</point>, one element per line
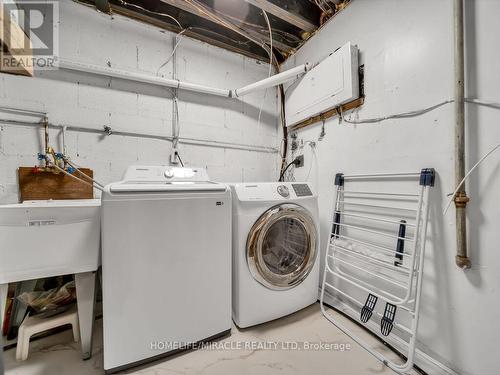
<point>289,37</point>
<point>284,129</point>
<point>270,64</point>
<point>178,41</point>
<point>257,27</point>
<point>180,159</point>
<point>323,132</point>
<point>495,105</point>
<point>312,144</point>
<point>319,5</point>
<point>210,13</point>
<point>122,2</point>
<point>398,115</point>
<point>270,40</point>
<point>175,123</point>
<point>327,5</point>
<point>452,197</point>
<point>175,104</point>
<point>415,113</point>
<point>240,42</point>
<point>314,161</point>
<point>288,166</point>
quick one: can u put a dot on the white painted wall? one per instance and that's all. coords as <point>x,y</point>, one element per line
<point>407,49</point>
<point>90,101</point>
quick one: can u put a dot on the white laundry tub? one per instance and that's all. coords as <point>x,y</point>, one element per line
<point>50,238</point>
<point>46,238</point>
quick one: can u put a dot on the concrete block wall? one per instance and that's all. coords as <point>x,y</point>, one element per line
<point>90,101</point>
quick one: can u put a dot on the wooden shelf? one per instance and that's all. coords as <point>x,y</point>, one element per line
<point>328,114</point>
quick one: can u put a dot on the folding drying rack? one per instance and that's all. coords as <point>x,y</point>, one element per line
<point>376,253</point>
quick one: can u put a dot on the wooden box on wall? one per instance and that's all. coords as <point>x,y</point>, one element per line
<point>42,185</point>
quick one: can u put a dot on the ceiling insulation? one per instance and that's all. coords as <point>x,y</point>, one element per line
<point>237,25</point>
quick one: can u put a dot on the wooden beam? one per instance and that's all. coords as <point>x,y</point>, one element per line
<point>263,38</point>
<point>283,14</point>
<point>328,114</point>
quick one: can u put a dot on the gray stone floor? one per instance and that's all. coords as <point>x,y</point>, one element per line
<point>264,349</point>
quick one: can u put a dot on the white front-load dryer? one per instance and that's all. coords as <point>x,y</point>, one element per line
<point>275,250</point>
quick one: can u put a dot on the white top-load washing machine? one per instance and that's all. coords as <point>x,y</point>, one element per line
<point>166,262</point>
<point>275,250</point>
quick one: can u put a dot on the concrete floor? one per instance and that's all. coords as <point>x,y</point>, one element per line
<point>58,354</point>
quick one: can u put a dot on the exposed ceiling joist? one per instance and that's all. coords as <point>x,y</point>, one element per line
<point>236,25</point>
<point>167,26</point>
<point>261,37</point>
<point>283,14</point>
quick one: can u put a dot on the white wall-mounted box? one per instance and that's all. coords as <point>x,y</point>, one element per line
<point>334,81</point>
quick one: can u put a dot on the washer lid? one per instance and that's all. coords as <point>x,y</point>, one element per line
<point>164,173</point>
<point>165,179</point>
<point>174,186</point>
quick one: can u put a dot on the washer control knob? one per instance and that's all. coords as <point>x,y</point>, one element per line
<point>283,191</point>
<point>169,173</point>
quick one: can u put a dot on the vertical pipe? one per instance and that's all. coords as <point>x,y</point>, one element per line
<point>175,104</point>
<point>461,198</point>
<point>46,140</point>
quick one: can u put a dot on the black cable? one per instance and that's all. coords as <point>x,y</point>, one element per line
<point>284,128</point>
<point>179,157</point>
<point>294,161</point>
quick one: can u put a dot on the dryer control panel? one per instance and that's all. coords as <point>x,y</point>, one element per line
<point>302,190</point>
<point>272,191</point>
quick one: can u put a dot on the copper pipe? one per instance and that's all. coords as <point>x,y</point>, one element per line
<point>46,146</point>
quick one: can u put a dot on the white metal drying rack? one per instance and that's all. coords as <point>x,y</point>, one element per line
<point>355,264</point>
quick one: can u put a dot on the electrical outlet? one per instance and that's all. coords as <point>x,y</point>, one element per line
<point>300,162</point>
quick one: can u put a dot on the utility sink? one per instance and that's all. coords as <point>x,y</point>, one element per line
<point>46,238</point>
<point>50,238</point>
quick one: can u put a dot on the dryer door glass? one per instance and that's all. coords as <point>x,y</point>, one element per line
<point>285,246</point>
<point>281,247</point>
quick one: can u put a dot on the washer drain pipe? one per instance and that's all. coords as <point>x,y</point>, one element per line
<point>461,199</point>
